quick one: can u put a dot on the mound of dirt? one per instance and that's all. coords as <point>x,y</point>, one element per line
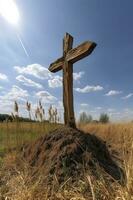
<point>67,152</point>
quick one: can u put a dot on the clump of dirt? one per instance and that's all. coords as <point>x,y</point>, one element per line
<point>67,152</point>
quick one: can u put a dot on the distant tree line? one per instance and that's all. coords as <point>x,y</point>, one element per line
<point>84,118</point>
<point>4,117</point>
<point>9,118</point>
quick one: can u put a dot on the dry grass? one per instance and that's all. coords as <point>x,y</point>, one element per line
<point>120,137</point>
<point>17,184</point>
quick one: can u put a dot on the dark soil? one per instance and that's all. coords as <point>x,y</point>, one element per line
<point>68,152</point>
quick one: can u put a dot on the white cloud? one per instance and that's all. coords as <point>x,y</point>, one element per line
<point>84,104</point>
<point>128,96</point>
<point>55,82</point>
<point>15,93</point>
<point>110,110</point>
<point>35,70</point>
<point>127,110</point>
<point>3,77</point>
<point>28,82</point>
<point>98,108</point>
<point>46,97</point>
<point>113,93</point>
<point>78,75</point>
<point>89,88</point>
<point>6,106</point>
<point>60,104</point>
<point>93,111</point>
<point>114,114</point>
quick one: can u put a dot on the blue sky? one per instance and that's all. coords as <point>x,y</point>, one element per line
<point>102,81</point>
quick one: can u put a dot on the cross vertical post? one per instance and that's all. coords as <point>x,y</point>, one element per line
<point>68,83</point>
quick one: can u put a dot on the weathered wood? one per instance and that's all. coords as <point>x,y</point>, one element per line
<point>73,55</point>
<point>80,52</point>
<point>67,43</point>
<point>57,65</point>
<point>68,83</point>
<point>70,56</point>
<point>68,94</point>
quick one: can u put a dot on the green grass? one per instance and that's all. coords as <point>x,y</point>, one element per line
<point>13,135</point>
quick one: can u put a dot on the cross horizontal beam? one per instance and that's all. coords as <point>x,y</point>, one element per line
<point>73,55</point>
<point>57,65</point>
<point>80,52</point>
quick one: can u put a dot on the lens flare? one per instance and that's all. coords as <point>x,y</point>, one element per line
<point>9,10</point>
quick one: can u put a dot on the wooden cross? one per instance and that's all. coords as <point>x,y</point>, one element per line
<point>70,56</point>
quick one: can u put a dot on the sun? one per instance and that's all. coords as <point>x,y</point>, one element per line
<point>9,10</point>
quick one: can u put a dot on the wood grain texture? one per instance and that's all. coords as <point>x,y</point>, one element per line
<point>69,57</point>
<point>68,83</point>
<point>80,52</point>
<point>57,65</point>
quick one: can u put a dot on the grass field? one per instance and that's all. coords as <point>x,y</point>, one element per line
<point>13,135</point>
<point>118,136</point>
